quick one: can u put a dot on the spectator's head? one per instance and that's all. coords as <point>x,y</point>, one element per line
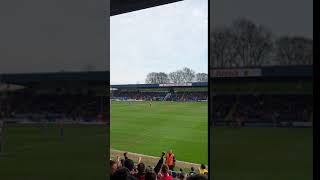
<point>192,169</point>
<point>120,174</point>
<point>164,169</point>
<point>198,177</point>
<point>173,174</point>
<point>113,166</point>
<point>163,153</point>
<point>141,168</point>
<point>128,163</point>
<point>182,176</point>
<point>150,175</point>
<point>170,151</point>
<point>125,155</point>
<point>202,169</point>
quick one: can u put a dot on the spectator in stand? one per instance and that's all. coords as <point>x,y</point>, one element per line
<point>125,155</point>
<point>113,166</point>
<point>165,173</point>
<point>125,158</point>
<point>198,177</point>
<point>150,175</point>
<point>192,172</point>
<point>182,176</point>
<point>122,174</point>
<point>159,164</point>
<point>170,160</point>
<point>161,171</point>
<point>141,171</point>
<point>203,169</point>
<point>128,163</point>
<point>173,174</point>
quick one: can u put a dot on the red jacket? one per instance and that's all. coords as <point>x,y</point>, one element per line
<point>166,177</point>
<point>140,177</point>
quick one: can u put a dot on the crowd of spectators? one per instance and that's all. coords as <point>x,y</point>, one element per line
<point>36,107</point>
<point>167,96</point>
<point>125,169</point>
<point>263,108</point>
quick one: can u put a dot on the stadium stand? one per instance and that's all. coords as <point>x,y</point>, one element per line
<point>269,96</point>
<point>263,108</point>
<point>49,97</point>
<point>161,92</point>
<point>178,96</point>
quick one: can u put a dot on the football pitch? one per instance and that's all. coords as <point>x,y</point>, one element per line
<point>32,153</point>
<point>181,126</point>
<point>261,153</point>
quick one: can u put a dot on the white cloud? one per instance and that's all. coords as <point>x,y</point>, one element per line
<point>163,39</point>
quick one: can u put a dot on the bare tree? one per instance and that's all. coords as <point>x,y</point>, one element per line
<point>253,43</point>
<point>188,74</point>
<point>242,44</point>
<point>202,77</point>
<point>182,76</point>
<point>222,48</point>
<point>157,78</point>
<point>176,77</point>
<point>294,51</point>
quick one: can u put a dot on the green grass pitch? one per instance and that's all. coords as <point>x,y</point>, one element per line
<point>33,154</point>
<point>261,153</point>
<point>243,153</point>
<point>180,126</point>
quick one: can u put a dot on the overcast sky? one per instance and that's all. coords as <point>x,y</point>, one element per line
<point>160,39</point>
<point>283,17</point>
<point>53,35</point>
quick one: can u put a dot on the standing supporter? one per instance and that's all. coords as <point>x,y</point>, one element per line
<point>125,158</point>
<point>170,160</point>
<point>174,175</point>
<point>182,176</point>
<point>159,164</point>
<point>128,163</point>
<point>113,166</point>
<point>150,175</point>
<point>122,174</point>
<point>141,172</point>
<point>165,173</point>
<point>125,155</point>
<point>192,172</point>
<point>203,169</point>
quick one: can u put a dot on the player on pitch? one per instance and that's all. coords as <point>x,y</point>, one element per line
<point>61,129</point>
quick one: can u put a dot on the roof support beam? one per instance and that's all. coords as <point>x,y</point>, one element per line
<point>126,6</point>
